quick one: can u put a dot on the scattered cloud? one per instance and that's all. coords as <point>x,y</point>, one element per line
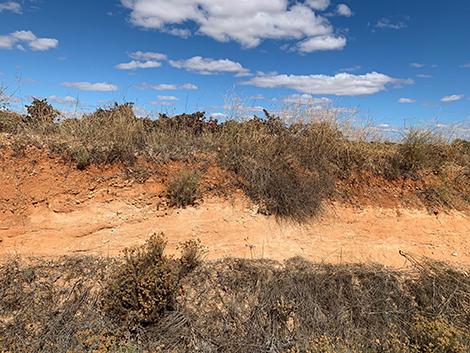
<point>407,100</point>
<point>386,23</point>
<point>62,100</point>
<point>134,65</point>
<point>30,80</point>
<point>218,115</point>
<point>424,76</point>
<point>20,47</point>
<point>318,43</point>
<point>344,10</point>
<point>349,69</point>
<point>465,65</point>
<point>246,22</point>
<point>34,43</point>
<point>452,98</point>
<point>162,103</point>
<point>188,86</point>
<point>256,96</point>
<point>306,99</point>
<point>209,66</point>
<point>342,84</point>
<point>11,6</point>
<point>87,86</point>
<point>416,65</point>
<point>167,98</point>
<point>138,55</point>
<point>166,87</point>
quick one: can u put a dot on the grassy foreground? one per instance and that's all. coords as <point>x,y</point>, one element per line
<point>148,302</point>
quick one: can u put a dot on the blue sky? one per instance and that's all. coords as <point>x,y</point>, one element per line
<point>395,60</point>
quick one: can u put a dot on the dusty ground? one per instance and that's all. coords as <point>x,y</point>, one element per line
<point>48,207</point>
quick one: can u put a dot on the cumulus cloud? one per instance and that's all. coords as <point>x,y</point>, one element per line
<point>62,100</point>
<point>87,86</point>
<point>246,22</point>
<point>166,87</point>
<point>322,43</point>
<point>134,65</point>
<point>188,86</point>
<point>150,57</point>
<point>34,43</point>
<point>167,98</point>
<point>209,66</point>
<point>320,5</point>
<point>11,6</point>
<point>138,55</point>
<point>306,99</point>
<point>342,84</point>
<point>407,100</point>
<point>452,98</point>
<point>344,10</point>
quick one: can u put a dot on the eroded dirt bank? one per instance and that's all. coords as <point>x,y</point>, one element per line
<point>48,207</point>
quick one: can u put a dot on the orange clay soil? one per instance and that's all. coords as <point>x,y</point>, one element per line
<point>49,207</point>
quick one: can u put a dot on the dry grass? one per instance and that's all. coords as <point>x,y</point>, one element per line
<point>288,165</point>
<point>230,305</point>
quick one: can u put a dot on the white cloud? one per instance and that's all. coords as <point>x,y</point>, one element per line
<point>465,65</point>
<point>256,96</point>
<point>407,100</point>
<point>306,99</point>
<point>138,55</point>
<point>189,86</point>
<point>133,65</point>
<point>322,43</point>
<point>162,103</point>
<point>20,47</point>
<point>43,44</point>
<point>350,69</point>
<point>424,76</point>
<point>218,115</point>
<point>320,5</point>
<point>209,66</point>
<point>386,23</point>
<point>166,87</point>
<point>30,80</point>
<point>454,97</point>
<point>344,10</point>
<point>342,84</point>
<point>87,86</point>
<point>246,22</point>
<point>62,100</point>
<point>11,6</point>
<point>34,43</point>
<point>416,65</point>
<point>167,98</point>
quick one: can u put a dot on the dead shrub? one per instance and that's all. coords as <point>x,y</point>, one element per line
<point>184,190</point>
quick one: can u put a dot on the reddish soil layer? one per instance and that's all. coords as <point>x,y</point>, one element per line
<point>48,207</point>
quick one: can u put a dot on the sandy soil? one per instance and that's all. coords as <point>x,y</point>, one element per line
<point>48,207</point>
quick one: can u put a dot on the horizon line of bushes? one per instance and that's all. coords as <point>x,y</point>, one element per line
<point>286,168</point>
